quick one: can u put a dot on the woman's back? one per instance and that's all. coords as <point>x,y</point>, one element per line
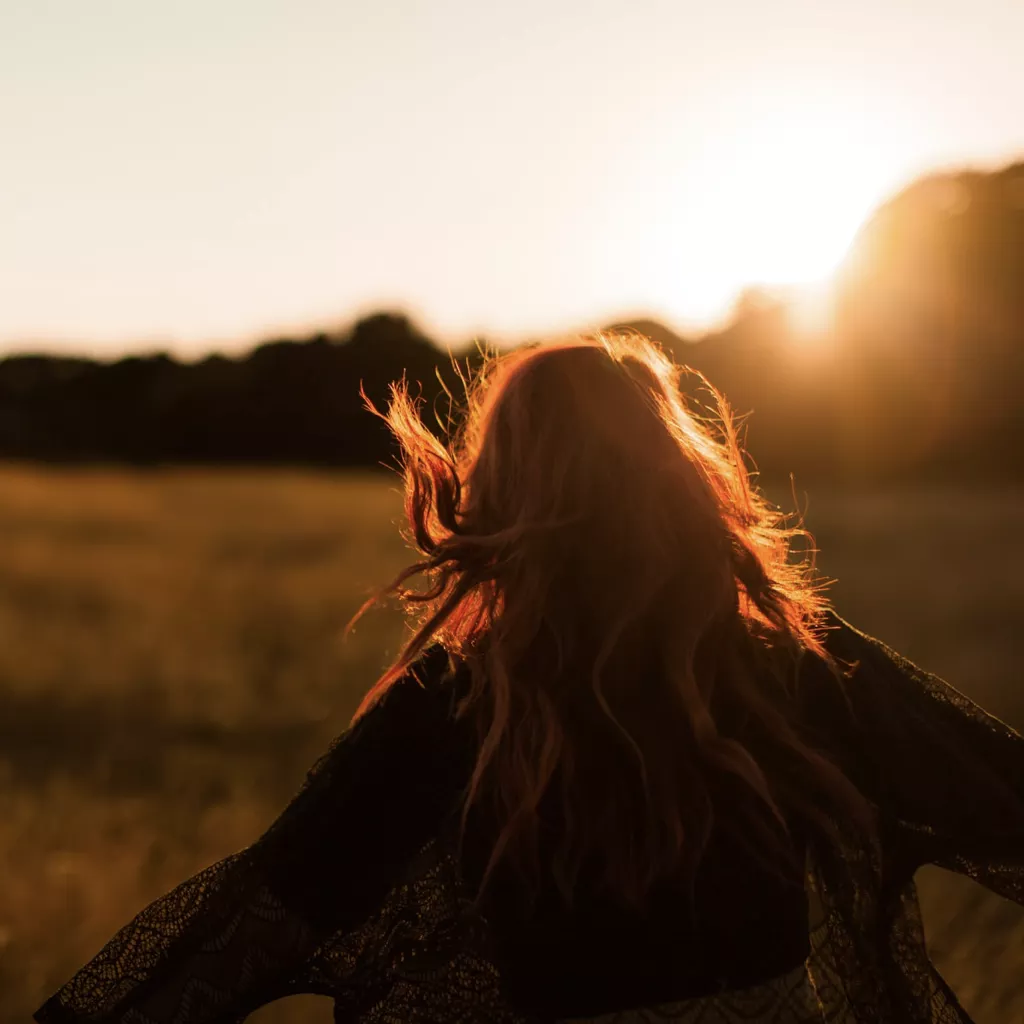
<point>736,925</point>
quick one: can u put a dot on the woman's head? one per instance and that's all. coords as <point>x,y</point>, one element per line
<point>624,600</point>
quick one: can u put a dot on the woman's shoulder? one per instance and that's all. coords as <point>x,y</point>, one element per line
<point>412,724</point>
<point>871,675</point>
<point>855,662</point>
<point>854,648</point>
<point>854,687</point>
<point>430,687</point>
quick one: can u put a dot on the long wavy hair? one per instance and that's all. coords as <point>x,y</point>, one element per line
<point>628,608</point>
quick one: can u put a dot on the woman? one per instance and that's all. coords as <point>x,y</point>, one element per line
<point>626,767</point>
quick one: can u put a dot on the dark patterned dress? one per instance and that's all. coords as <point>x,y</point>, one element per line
<point>356,893</point>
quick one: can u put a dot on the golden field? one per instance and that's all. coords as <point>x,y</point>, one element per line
<point>171,663</point>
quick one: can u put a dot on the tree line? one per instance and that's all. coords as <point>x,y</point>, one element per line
<point>920,370</point>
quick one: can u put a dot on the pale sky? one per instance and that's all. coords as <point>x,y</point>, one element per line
<point>198,174</point>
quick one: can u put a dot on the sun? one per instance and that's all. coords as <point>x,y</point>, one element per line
<point>779,199</point>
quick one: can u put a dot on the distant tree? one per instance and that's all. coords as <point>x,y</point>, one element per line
<point>924,372</point>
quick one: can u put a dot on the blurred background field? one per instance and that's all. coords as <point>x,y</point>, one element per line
<point>171,663</point>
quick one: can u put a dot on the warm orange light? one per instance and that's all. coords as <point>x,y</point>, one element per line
<point>779,200</point>
<point>811,311</point>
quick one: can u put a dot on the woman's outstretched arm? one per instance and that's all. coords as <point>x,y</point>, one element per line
<point>947,776</point>
<point>244,931</point>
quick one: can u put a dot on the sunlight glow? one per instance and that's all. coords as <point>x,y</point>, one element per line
<point>811,310</point>
<point>778,204</point>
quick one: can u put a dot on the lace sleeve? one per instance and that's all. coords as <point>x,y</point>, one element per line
<point>947,776</point>
<point>245,931</point>
<point>216,947</point>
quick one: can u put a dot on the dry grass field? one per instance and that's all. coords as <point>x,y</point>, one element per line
<point>171,662</point>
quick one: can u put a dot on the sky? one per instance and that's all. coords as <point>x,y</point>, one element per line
<point>200,174</point>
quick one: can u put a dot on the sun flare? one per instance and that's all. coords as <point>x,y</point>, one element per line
<point>778,205</point>
<point>811,309</point>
